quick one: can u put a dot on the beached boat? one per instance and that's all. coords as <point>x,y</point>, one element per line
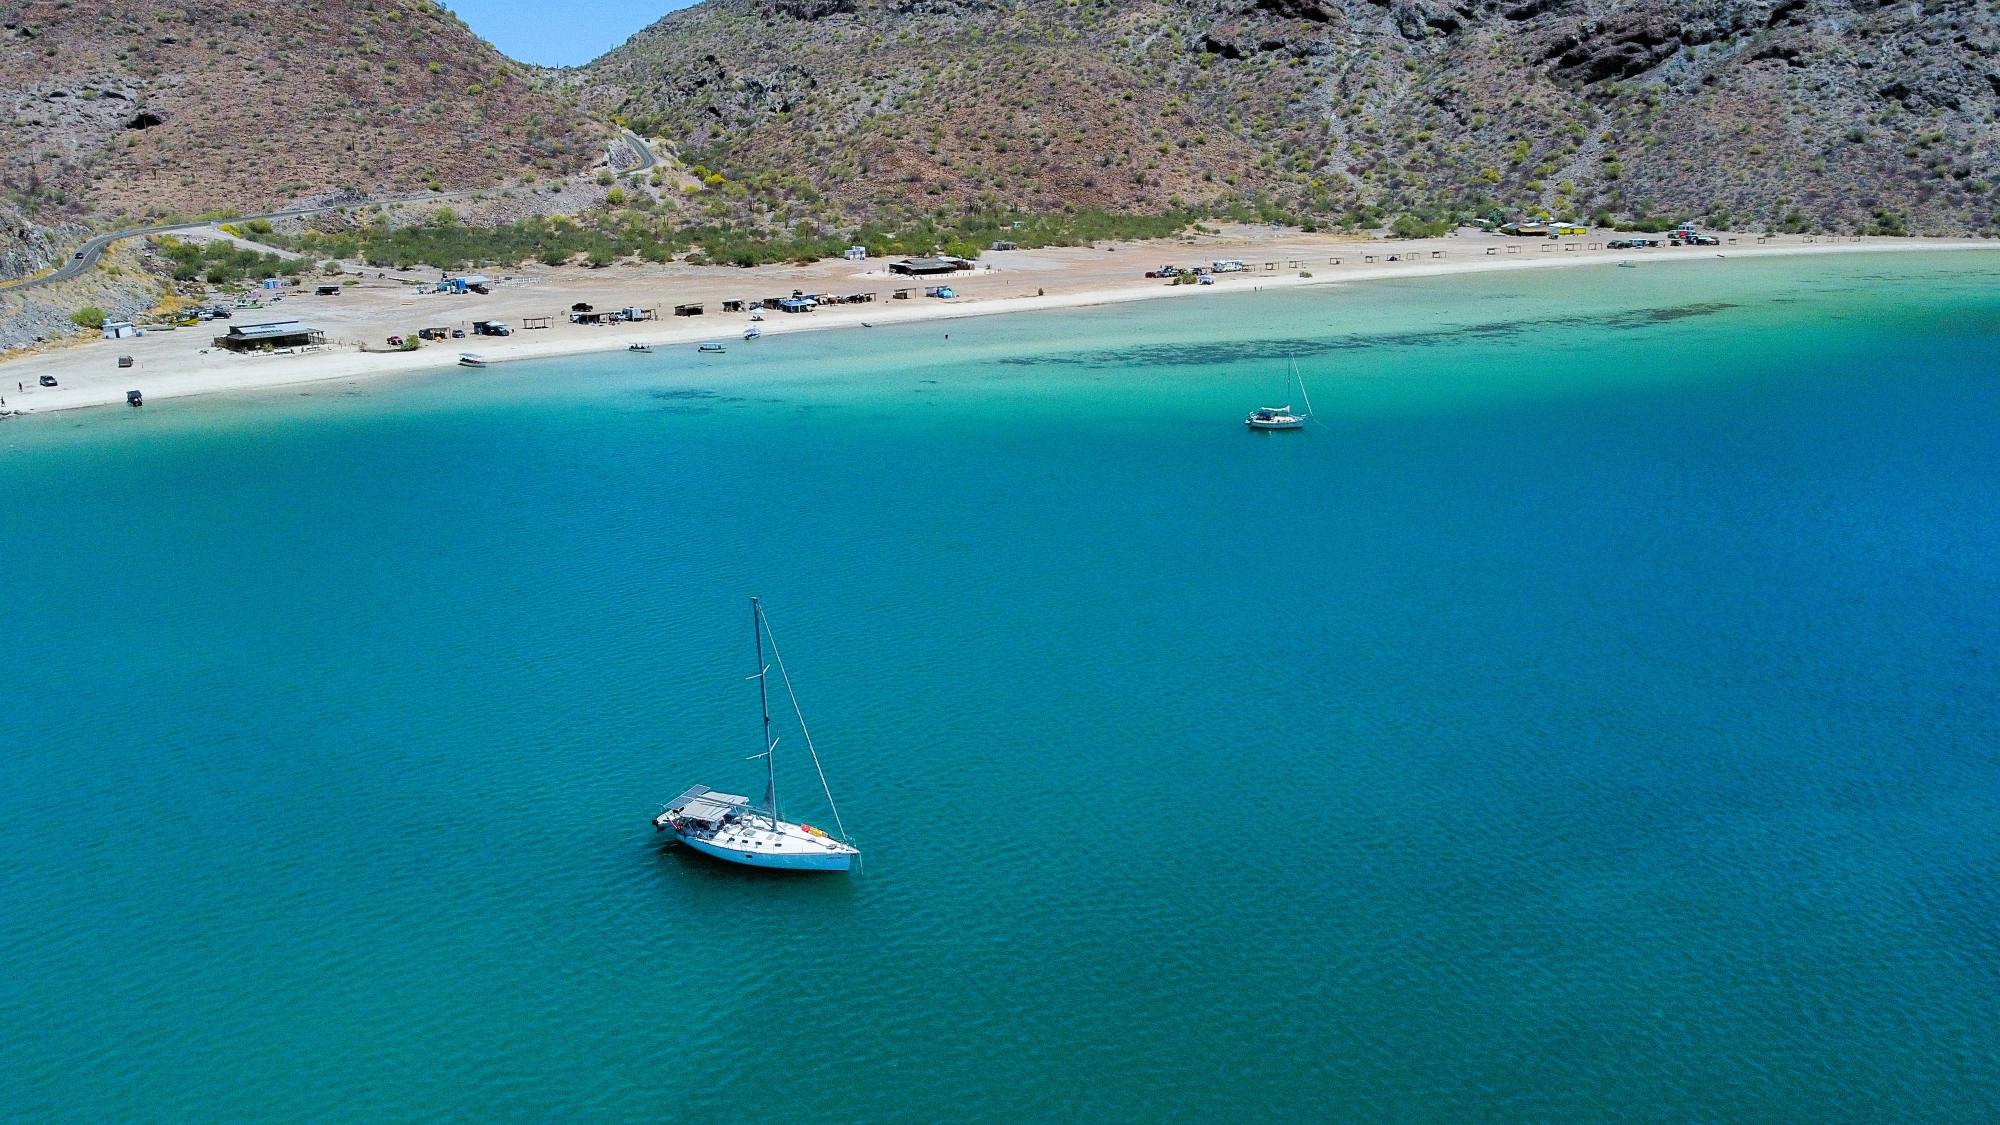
<point>728,827</point>
<point>468,359</point>
<point>752,332</point>
<point>1281,417</point>
<point>710,348</point>
<point>638,347</point>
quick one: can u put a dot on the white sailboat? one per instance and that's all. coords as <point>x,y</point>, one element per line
<point>1281,417</point>
<point>729,827</point>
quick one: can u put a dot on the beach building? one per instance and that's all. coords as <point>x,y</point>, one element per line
<point>856,254</point>
<point>926,267</point>
<point>273,334</point>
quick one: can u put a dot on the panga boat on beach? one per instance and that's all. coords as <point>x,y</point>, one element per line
<point>467,359</point>
<point>729,827</point>
<point>638,347</point>
<point>1281,417</point>
<point>752,332</point>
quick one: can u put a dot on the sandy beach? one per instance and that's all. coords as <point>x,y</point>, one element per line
<point>183,362</point>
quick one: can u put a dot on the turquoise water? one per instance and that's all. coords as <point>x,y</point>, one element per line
<point>1597,717</point>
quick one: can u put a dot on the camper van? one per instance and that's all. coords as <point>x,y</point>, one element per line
<point>1231,266</point>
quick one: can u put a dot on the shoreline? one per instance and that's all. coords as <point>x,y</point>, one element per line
<point>88,378</point>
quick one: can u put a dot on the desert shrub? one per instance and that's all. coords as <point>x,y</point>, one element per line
<point>1410,226</point>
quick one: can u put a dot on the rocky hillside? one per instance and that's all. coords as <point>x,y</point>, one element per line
<point>113,108</point>
<point>1839,114</point>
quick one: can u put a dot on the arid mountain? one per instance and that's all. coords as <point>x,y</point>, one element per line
<point>1842,114</point>
<point>122,108</point>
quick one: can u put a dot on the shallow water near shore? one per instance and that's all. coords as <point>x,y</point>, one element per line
<point>1596,715</point>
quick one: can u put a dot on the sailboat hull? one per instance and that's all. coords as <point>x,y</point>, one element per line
<point>786,861</point>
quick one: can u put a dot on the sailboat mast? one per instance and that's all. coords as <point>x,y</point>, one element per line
<point>764,698</point>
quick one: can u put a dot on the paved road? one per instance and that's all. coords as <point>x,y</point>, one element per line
<point>645,151</point>
<point>84,258</point>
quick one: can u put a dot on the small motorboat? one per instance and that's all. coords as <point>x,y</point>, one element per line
<point>134,398</point>
<point>752,332</point>
<point>1628,265</point>
<point>639,347</point>
<point>468,359</point>
<point>756,316</point>
<point>712,348</point>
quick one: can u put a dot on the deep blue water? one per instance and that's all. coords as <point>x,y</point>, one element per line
<point>1597,717</point>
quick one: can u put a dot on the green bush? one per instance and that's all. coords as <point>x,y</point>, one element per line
<point>221,263</point>
<point>1410,226</point>
<point>607,236</point>
<point>1887,222</point>
<point>89,316</point>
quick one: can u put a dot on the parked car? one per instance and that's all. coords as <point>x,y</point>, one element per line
<point>1620,244</point>
<point>1164,271</point>
<point>48,380</point>
<point>1706,240</point>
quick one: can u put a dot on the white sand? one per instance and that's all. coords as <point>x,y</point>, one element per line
<point>182,363</point>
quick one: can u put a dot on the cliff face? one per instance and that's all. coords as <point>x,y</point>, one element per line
<point>1835,113</point>
<point>118,107</point>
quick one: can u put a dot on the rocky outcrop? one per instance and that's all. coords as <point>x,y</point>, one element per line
<point>810,10</point>
<point>1619,48</point>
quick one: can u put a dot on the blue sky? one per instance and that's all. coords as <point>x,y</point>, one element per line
<point>552,34</point>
